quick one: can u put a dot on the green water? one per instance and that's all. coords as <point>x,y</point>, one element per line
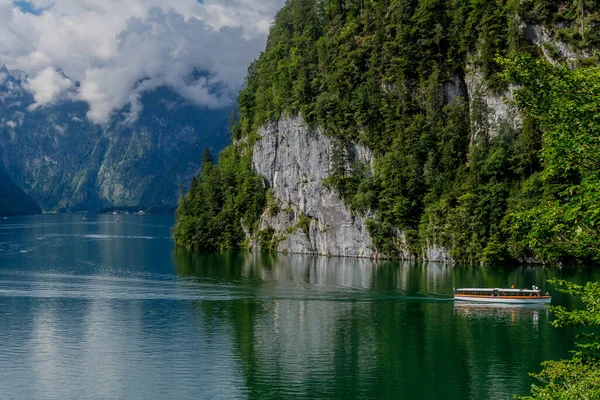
<point>93,308</point>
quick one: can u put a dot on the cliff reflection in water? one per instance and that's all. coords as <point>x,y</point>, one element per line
<point>333,327</point>
<point>304,271</point>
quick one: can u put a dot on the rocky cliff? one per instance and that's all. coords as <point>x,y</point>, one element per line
<point>308,216</point>
<point>391,129</point>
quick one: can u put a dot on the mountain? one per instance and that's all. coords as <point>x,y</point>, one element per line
<point>411,129</point>
<point>67,163</point>
<point>13,201</point>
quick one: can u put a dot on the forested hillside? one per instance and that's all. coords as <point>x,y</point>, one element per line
<point>13,201</point>
<point>472,109</point>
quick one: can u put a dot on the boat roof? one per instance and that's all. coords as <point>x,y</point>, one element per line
<point>503,289</point>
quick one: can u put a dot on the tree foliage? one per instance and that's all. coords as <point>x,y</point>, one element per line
<point>224,199</point>
<point>578,377</point>
<point>13,201</point>
<point>566,104</point>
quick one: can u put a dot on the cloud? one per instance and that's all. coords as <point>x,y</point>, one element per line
<point>48,85</point>
<point>117,49</point>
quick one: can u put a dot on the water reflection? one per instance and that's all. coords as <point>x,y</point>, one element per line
<point>425,281</point>
<point>526,313</point>
<point>315,273</point>
<point>336,328</point>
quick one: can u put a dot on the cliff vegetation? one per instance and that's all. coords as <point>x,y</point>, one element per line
<point>452,169</point>
<point>224,199</point>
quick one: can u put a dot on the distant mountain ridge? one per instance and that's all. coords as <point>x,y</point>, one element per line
<point>67,163</point>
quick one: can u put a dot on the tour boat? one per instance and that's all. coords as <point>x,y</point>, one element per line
<point>497,295</point>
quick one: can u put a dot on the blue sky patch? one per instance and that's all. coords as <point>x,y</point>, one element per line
<point>27,7</point>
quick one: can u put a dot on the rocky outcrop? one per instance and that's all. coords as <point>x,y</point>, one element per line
<point>491,112</point>
<point>304,215</point>
<point>554,50</point>
<point>436,253</point>
<point>307,216</point>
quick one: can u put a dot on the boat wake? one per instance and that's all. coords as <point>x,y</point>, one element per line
<point>166,287</point>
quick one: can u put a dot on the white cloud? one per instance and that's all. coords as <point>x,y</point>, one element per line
<point>116,49</point>
<point>48,85</point>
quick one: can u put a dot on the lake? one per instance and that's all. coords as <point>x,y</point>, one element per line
<point>98,309</point>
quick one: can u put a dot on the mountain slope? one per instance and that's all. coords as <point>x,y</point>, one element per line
<point>67,163</point>
<point>13,201</point>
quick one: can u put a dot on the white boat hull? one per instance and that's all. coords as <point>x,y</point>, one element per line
<point>497,299</point>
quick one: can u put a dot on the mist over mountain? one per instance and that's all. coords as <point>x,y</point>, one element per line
<point>112,103</point>
<point>66,162</point>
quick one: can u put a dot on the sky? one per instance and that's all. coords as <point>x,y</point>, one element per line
<point>108,52</point>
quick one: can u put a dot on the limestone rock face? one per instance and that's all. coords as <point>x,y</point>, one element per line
<point>308,217</point>
<point>490,112</point>
<point>553,49</point>
<point>434,252</point>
